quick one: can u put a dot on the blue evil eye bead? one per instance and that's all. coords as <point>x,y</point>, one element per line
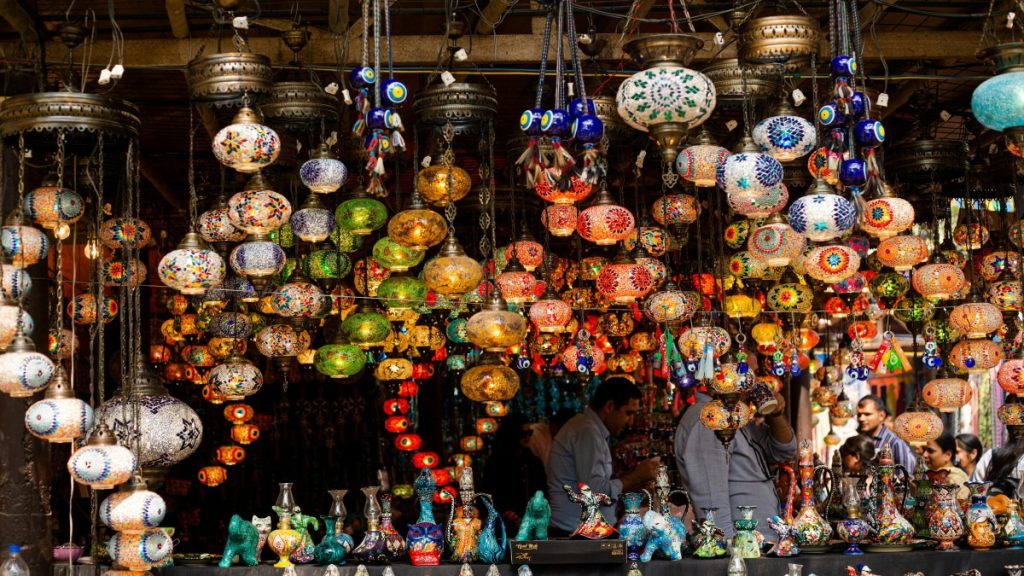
<point>691,367</point>
<point>394,92</point>
<point>829,115</point>
<point>932,362</point>
<point>779,370</point>
<point>577,108</point>
<point>860,104</point>
<point>853,172</point>
<point>869,133</point>
<point>522,362</point>
<point>969,362</point>
<point>844,66</point>
<point>383,142</point>
<point>379,118</point>
<point>529,121</point>
<point>555,122</point>
<point>363,76</point>
<point>587,129</point>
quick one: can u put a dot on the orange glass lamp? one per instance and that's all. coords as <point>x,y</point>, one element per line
<point>947,394</point>
<point>919,425</point>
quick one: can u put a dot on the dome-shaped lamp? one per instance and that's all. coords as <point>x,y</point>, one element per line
<point>326,266</point>
<point>312,222</point>
<point>102,463</point>
<point>938,280</point>
<point>340,358</point>
<point>23,371</point>
<point>785,136</point>
<point>670,304</point>
<point>396,257</point>
<point>919,425</point>
<point>699,163</point>
<point>51,206</point>
<point>452,273</point>
<point>789,295</point>
<point>947,394</point>
<point>236,378</point>
<point>494,328</point>
<point>528,251</point>
<point>998,103</point>
<point>215,224</point>
<point>831,263</point>
<point>675,210</point>
<point>125,233</point>
<point>246,145</point>
<point>23,246</point>
<point>560,219</point>
<point>402,291</point>
<point>366,327</point>
<point>360,214</point>
<point>550,313</point>
<point>624,280</point>
<point>821,214</point>
<point>133,511</point>
<point>59,417</point>
<point>515,283</point>
<point>490,380</point>
<point>417,227</point>
<point>605,223</point>
<point>258,209</point>
<point>296,299</point>
<point>887,215</point>
<point>749,172</point>
<point>433,182</point>
<point>976,355</point>
<point>976,319</point>
<point>1010,376</point>
<point>323,173</point>
<point>258,258</point>
<point>192,268</point>
<point>902,252</point>
<point>776,242</point>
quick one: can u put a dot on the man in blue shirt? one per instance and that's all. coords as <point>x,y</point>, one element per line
<point>871,415</point>
<point>580,453</point>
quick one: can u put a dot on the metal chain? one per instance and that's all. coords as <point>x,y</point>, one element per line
<point>59,276</point>
<point>376,52</point>
<point>748,116</point>
<point>193,219</point>
<point>581,89</point>
<point>545,48</point>
<point>559,55</point>
<point>485,194</point>
<point>98,282</point>
<point>448,159</point>
<point>365,45</point>
<point>18,215</point>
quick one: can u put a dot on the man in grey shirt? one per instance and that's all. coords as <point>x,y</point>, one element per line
<point>741,479</point>
<point>580,453</point>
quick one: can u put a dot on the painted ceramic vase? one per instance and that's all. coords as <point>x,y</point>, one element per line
<point>893,528</point>
<point>631,527</point>
<point>748,540</point>
<point>853,531</point>
<point>306,552</point>
<point>394,543</point>
<point>944,523</point>
<point>709,540</point>
<point>1012,533</point>
<point>981,522</point>
<point>811,528</point>
<point>283,542</point>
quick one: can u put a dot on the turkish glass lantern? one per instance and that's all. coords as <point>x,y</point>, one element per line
<point>560,219</point>
<point>699,163</point>
<point>23,245</point>
<point>245,434</point>
<point>652,239</point>
<point>417,227</point>
<point>133,511</point>
<point>211,476</point>
<point>691,342</point>
<point>887,215</point>
<point>790,297</point>
<point>749,172</point>
<point>528,251</point>
<point>402,291</point>
<point>129,272</point>
<point>671,304</point>
<point>452,273</point>
<point>736,234</point>
<point>938,281</point>
<point>918,426</point>
<point>740,305</point>
<point>102,463</point>
<point>998,102</point>
<point>368,274</point>
<point>822,215</point>
<point>361,214</point>
<point>125,233</point>
<point>258,209</point>
<point>50,205</point>
<point>396,257</point>
<point>831,263</point>
<point>593,361</point>
<point>1011,413</point>
<point>1006,295</point>
<point>624,280</point>
<point>902,252</point>
<point>258,257</point>
<point>23,371</point>
<point>976,319</point>
<point>550,313</point>
<point>675,210</point>
<point>323,173</point>
<point>785,136</point>
<point>947,394</point>
<point>776,242</point>
<point>516,284</point>
<point>744,266</point>
<point>366,327</point>
<point>246,145</point>
<point>297,299</point>
<point>759,204</point>
<point>439,184</point>
<point>560,192</point>
<point>889,286</point>
<point>913,310</point>
<point>1010,376</point>
<point>992,265</point>
<point>393,369</point>
<point>193,268</point>
<point>15,283</point>
<point>59,417</point>
<point>970,236</point>
<point>312,222</point>
<point>494,327</point>
<point>490,381</point>
<point>605,223</point>
<point>976,355</point>
<point>340,358</point>
<point>236,378</point>
<point>326,266</point>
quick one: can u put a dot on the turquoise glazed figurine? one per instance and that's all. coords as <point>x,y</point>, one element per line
<point>592,523</point>
<point>709,540</point>
<point>631,527</point>
<point>490,547</point>
<point>242,540</point>
<point>664,538</point>
<point>748,540</point>
<point>1012,533</point>
<point>305,553</point>
<point>534,525</point>
<point>425,486</point>
<point>425,540</point>
<point>336,544</point>
<point>394,544</point>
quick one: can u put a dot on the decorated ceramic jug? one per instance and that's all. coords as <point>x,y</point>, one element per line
<point>1012,533</point>
<point>284,540</point>
<point>923,504</point>
<point>425,539</point>
<point>835,510</point>
<point>336,543</point>
<point>631,527</point>
<point>944,523</point>
<point>893,528</point>
<point>981,522</point>
<point>811,529</point>
<point>748,540</point>
<point>305,553</point>
<point>393,541</point>
<point>373,548</point>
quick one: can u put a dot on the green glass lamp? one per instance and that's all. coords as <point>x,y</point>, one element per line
<point>361,214</point>
<point>366,327</point>
<point>396,257</point>
<point>402,291</point>
<point>340,358</point>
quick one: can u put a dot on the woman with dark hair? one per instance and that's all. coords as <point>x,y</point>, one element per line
<point>1003,466</point>
<point>939,454</point>
<point>968,451</point>
<point>858,454</point>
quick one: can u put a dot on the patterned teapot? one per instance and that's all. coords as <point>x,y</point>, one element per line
<point>893,528</point>
<point>812,529</point>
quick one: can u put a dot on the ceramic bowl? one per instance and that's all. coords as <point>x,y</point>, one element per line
<point>67,552</point>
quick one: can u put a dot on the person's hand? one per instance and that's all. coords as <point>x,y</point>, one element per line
<point>647,470</point>
<point>780,409</point>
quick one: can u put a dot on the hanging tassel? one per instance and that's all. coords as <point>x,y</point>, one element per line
<point>706,370</point>
<point>591,173</point>
<point>397,141</point>
<point>359,127</point>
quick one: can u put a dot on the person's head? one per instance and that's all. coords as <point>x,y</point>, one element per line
<point>871,414</point>
<point>858,452</point>
<point>940,452</point>
<point>616,401</point>
<point>968,449</point>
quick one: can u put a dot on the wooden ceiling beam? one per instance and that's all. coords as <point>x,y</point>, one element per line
<point>176,16</point>
<point>15,14</point>
<point>337,16</point>
<point>491,15</point>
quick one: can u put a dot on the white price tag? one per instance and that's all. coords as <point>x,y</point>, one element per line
<point>346,96</point>
<point>799,98</point>
<point>240,22</point>
<point>447,78</point>
<point>731,125</point>
<point>332,88</point>
<point>425,162</point>
<point>461,55</point>
<point>882,100</point>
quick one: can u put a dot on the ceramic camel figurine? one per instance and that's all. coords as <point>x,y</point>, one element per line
<point>534,525</point>
<point>242,542</point>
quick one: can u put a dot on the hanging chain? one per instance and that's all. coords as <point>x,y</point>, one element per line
<point>486,194</point>
<point>98,280</point>
<point>448,159</point>
<point>18,215</point>
<point>193,219</point>
<point>748,115</point>
<point>545,48</point>
<point>365,45</point>
<point>60,247</point>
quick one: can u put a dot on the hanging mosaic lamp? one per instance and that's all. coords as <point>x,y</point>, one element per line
<point>938,281</point>
<point>1011,414</point>
<point>970,236</point>
<point>257,258</point>
<point>624,280</point>
<point>605,223</point>
<point>326,266</point>
<point>515,283</point>
<point>102,463</point>
<point>236,378</point>
<point>402,291</point>
<point>245,145</point>
<point>918,425</point>
<point>550,313</point>
<point>653,239</point>
<point>748,172</point>
<point>821,214</point>
<point>312,222</point>
<point>976,319</point>
<point>665,99</point>
<point>192,268</point>
<point>417,227</point>
<point>340,358</point>
<point>215,224</point>
<point>1010,376</point>
<point>23,371</point>
<point>1006,295</point>
<point>528,251</point>
<point>50,206</point>
<point>60,416</point>
<point>670,304</point>
<point>125,233</point>
<point>902,252</point>
<point>433,183</point>
<point>323,173</point>
<point>490,380</point>
<point>674,210</point>
<point>913,311</point>
<point>139,552</point>
<point>281,341</point>
<point>699,163</point>
<point>785,136</point>
<point>494,328</point>
<point>887,215</point>
<point>776,242</point>
<point>452,273</point>
<point>998,102</point>
<point>790,295</point>
<point>360,214</point>
<point>258,209</point>
<point>23,246</point>
<point>740,305</point>
<point>396,257</point>
<point>976,355</point>
<point>560,219</point>
<point>15,283</point>
<point>757,206</point>
<point>133,511</point>
<point>744,266</point>
<point>947,394</point>
<point>366,327</point>
<point>831,263</point>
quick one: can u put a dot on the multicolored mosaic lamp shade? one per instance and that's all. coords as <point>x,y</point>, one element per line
<point>245,145</point>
